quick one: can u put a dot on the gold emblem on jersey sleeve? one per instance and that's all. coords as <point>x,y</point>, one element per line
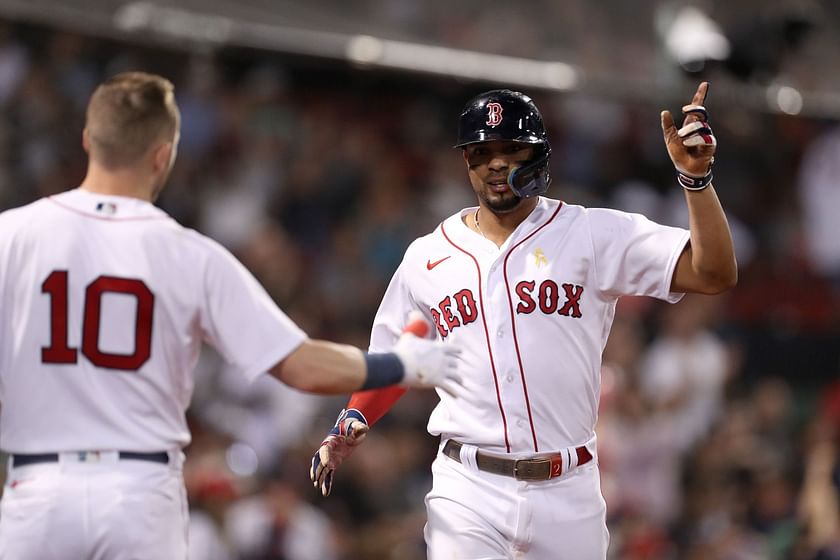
<point>539,258</point>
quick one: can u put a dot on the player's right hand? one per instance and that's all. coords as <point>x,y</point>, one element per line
<point>349,431</point>
<point>427,363</point>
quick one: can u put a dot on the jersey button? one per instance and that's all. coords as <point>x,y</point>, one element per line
<point>510,379</point>
<point>500,333</point>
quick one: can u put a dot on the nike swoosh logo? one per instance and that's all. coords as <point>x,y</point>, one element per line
<point>430,265</point>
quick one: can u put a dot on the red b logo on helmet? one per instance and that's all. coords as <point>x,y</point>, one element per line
<point>494,114</point>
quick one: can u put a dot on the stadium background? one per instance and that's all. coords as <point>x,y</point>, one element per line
<point>316,145</point>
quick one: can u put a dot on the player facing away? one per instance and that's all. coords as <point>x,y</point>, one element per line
<point>527,286</point>
<point>106,301</point>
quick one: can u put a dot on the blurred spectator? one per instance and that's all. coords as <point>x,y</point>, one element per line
<point>14,63</point>
<point>819,503</point>
<point>256,415</point>
<point>211,489</point>
<point>276,524</point>
<point>819,194</point>
<point>684,370</point>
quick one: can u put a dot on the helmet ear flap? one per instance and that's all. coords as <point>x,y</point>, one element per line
<point>531,179</point>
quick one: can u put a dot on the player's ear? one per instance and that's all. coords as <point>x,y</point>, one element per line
<point>163,155</point>
<point>86,140</point>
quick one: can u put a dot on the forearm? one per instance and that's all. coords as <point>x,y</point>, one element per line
<point>710,267</point>
<point>707,265</point>
<point>323,367</point>
<point>318,366</point>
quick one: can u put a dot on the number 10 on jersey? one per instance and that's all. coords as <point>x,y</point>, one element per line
<point>60,352</point>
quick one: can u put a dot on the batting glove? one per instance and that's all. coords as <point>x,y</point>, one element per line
<point>428,363</point>
<point>693,146</point>
<point>349,431</point>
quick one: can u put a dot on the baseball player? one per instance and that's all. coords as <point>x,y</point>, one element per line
<point>527,286</point>
<point>106,301</point>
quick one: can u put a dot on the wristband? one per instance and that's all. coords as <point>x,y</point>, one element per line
<point>694,183</point>
<point>382,370</point>
<point>340,427</point>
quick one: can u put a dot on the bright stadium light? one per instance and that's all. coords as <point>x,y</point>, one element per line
<point>400,55</point>
<point>363,50</point>
<point>786,99</point>
<point>691,38</point>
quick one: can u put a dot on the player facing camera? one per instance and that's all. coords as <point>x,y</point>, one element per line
<point>505,115</point>
<point>514,280</point>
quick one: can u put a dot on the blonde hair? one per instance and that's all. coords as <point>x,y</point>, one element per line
<point>127,115</point>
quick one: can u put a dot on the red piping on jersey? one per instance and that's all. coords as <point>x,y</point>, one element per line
<point>106,218</point>
<point>513,324</point>
<point>486,335</point>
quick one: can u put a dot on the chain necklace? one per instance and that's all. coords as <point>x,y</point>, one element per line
<point>478,227</point>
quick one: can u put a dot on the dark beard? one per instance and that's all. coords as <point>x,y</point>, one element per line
<point>502,204</point>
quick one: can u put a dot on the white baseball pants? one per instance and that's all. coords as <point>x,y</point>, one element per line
<point>102,509</point>
<point>475,515</point>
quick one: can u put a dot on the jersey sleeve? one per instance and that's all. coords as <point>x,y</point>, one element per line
<point>388,325</point>
<point>241,320</point>
<point>634,255</point>
<point>392,315</point>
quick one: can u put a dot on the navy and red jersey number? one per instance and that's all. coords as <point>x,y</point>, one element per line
<point>60,352</point>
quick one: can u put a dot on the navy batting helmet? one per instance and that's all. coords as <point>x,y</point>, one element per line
<point>502,114</point>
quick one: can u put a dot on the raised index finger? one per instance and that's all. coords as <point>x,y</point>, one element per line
<point>700,95</point>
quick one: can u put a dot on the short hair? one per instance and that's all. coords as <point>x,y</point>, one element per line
<point>127,114</point>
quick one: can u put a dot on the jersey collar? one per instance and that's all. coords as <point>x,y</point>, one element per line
<point>107,206</point>
<point>461,233</point>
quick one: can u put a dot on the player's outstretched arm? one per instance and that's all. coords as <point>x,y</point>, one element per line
<point>363,411</point>
<point>708,264</point>
<point>319,366</point>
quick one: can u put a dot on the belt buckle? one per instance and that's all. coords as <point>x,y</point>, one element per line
<point>532,469</point>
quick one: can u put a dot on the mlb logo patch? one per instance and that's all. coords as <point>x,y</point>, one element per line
<point>106,208</point>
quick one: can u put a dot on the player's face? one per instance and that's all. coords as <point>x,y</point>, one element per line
<point>489,165</point>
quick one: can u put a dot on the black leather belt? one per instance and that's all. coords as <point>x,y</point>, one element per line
<point>20,460</point>
<point>538,468</point>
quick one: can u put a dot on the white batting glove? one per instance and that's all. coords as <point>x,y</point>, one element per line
<point>428,363</point>
<point>349,431</point>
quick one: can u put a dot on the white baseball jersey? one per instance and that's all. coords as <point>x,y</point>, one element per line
<point>106,301</point>
<point>532,317</point>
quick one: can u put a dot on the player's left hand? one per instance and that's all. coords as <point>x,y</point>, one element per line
<point>692,147</point>
<point>348,433</point>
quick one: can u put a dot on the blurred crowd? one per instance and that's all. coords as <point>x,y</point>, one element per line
<point>619,44</point>
<point>720,417</point>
